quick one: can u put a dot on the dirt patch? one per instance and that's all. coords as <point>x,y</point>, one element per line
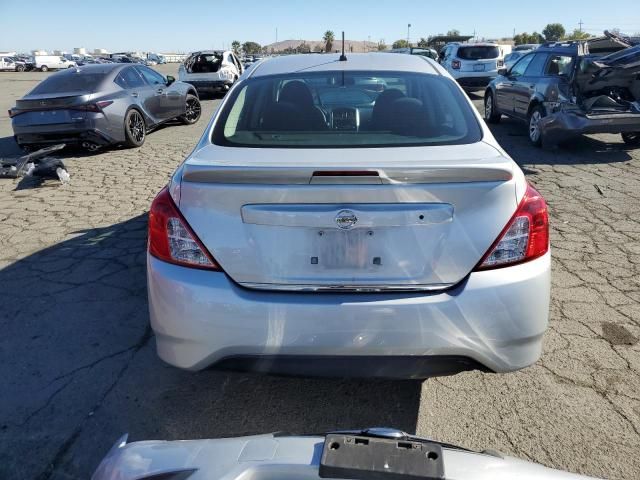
<point>617,334</point>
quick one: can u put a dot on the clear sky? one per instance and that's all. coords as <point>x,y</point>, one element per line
<point>184,25</point>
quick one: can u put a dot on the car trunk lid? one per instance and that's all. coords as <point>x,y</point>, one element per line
<point>293,219</point>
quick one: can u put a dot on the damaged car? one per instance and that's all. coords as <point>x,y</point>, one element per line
<point>562,91</point>
<point>211,71</point>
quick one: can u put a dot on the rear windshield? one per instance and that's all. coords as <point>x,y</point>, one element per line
<point>478,53</point>
<point>203,63</point>
<point>346,109</point>
<point>69,82</point>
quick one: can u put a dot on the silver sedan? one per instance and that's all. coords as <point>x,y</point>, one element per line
<point>99,105</point>
<point>324,227</point>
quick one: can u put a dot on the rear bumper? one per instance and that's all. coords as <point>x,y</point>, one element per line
<point>560,126</point>
<point>493,320</point>
<point>470,81</point>
<point>70,137</point>
<point>210,85</point>
<point>92,128</point>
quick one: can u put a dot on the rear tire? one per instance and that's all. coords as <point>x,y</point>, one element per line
<point>535,135</point>
<point>193,110</point>
<point>631,138</point>
<point>490,113</point>
<point>135,130</point>
<point>44,68</point>
<point>19,68</point>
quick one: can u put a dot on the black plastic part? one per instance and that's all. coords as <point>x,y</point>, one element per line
<point>369,458</point>
<point>392,367</point>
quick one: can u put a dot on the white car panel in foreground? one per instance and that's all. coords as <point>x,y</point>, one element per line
<point>276,457</point>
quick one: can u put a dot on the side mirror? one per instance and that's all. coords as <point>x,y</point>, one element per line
<point>170,80</point>
<point>503,71</point>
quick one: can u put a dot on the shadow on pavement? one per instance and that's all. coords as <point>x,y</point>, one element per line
<point>512,136</point>
<point>79,368</point>
<point>9,148</point>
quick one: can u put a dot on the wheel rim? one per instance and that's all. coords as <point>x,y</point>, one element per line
<point>193,110</point>
<point>136,127</point>
<point>488,107</point>
<point>534,126</point>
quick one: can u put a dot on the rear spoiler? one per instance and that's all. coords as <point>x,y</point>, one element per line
<point>370,176</point>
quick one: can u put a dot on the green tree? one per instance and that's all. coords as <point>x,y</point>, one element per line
<point>251,48</point>
<point>382,46</point>
<point>453,33</point>
<point>423,43</point>
<point>535,37</point>
<point>524,37</point>
<point>235,46</point>
<point>578,35</point>
<point>554,32</point>
<point>400,44</point>
<point>328,38</point>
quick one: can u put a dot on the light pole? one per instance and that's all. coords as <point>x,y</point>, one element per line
<point>408,35</point>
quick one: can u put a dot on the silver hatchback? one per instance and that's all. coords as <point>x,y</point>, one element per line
<point>325,225</point>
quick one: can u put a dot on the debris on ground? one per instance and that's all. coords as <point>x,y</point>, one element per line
<point>36,164</point>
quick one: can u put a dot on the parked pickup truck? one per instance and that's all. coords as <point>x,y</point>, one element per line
<point>12,64</point>
<point>561,91</point>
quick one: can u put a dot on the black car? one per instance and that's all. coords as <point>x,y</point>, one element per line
<point>561,91</point>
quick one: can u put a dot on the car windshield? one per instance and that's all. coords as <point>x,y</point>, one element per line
<point>478,52</point>
<point>347,109</point>
<point>69,82</point>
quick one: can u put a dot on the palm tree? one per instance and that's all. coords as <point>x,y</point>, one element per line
<point>328,38</point>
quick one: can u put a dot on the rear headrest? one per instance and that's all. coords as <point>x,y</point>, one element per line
<point>284,116</point>
<point>297,93</point>
<point>409,117</point>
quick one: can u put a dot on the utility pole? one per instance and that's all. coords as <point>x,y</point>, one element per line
<point>408,35</point>
<point>276,34</point>
<point>580,23</point>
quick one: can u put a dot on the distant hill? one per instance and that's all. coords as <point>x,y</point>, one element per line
<point>315,45</point>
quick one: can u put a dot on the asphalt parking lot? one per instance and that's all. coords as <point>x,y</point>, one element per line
<point>77,357</point>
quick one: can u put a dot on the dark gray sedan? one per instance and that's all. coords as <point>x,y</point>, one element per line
<point>99,105</point>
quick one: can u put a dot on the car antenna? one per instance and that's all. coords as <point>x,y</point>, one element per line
<point>343,57</point>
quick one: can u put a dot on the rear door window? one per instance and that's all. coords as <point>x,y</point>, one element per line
<point>559,65</point>
<point>536,65</point>
<point>521,66</point>
<point>478,52</point>
<point>132,78</point>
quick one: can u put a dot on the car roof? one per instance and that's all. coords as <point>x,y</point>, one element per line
<point>101,67</point>
<point>323,62</point>
<point>478,44</point>
<point>207,52</point>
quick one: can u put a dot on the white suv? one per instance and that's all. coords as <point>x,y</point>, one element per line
<point>473,65</point>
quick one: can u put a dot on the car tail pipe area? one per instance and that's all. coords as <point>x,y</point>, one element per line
<point>92,147</point>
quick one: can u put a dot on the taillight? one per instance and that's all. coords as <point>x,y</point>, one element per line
<point>93,107</point>
<point>12,113</point>
<point>456,64</point>
<point>172,240</point>
<point>525,237</point>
